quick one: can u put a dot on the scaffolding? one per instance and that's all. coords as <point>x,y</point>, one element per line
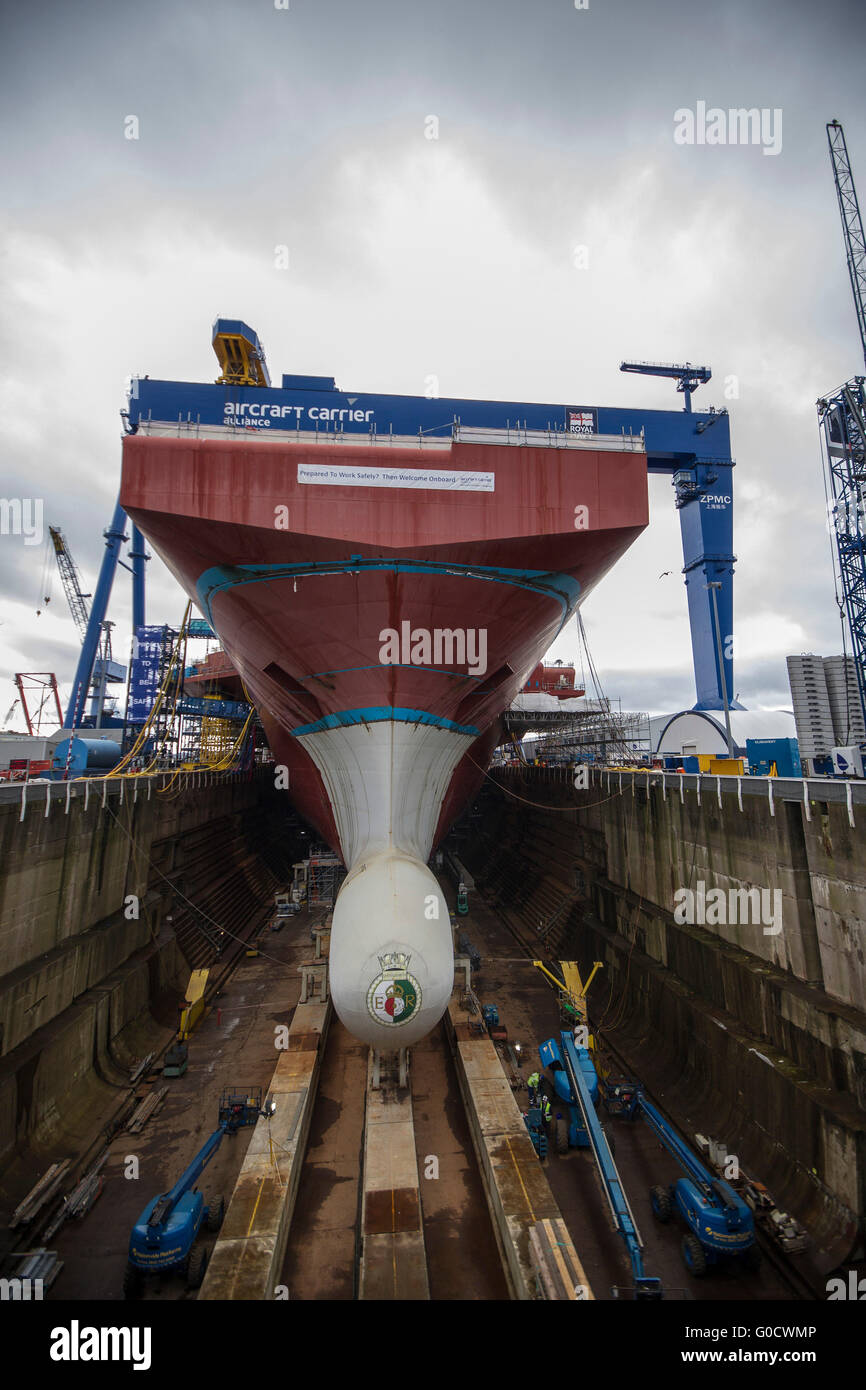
<point>217,739</point>
<point>325,876</point>
<point>207,737</point>
<point>211,723</point>
<point>598,735</point>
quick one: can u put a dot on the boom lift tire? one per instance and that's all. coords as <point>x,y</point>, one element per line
<point>694,1257</point>
<point>196,1266</point>
<point>561,1136</point>
<point>216,1215</point>
<point>660,1200</point>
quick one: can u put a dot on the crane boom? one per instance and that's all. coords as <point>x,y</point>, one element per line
<point>852,223</point>
<point>687,377</point>
<point>166,1203</point>
<point>674,1145</point>
<point>843,417</point>
<point>71,582</point>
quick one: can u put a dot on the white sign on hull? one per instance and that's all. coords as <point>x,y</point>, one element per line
<point>432,479</point>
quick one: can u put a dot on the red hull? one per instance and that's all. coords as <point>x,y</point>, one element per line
<point>302,580</point>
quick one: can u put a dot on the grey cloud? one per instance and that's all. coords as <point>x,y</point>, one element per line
<point>260,127</point>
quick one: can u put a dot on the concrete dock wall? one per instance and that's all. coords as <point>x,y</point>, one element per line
<point>751,1031</point>
<point>87,930</point>
<point>70,871</point>
<point>657,842</point>
<point>85,1052</point>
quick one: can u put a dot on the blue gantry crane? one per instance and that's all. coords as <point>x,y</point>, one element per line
<point>691,447</point>
<point>843,419</point>
<point>104,669</point>
<point>706,526</point>
<point>93,630</point>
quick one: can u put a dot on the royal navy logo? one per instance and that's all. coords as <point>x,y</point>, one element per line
<point>394,996</point>
<point>582,421</point>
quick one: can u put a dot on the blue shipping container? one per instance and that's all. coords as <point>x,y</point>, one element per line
<point>784,752</point>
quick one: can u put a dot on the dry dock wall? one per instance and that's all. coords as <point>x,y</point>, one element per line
<point>756,1037</point>
<point>92,936</point>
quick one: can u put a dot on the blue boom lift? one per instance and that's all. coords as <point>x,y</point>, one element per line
<point>576,1083</point>
<point>719,1223</point>
<point>163,1237</point>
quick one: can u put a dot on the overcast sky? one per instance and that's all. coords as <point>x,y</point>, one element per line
<point>454,257</point>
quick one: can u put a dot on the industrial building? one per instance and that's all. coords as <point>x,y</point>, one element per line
<point>695,732</point>
<point>827,709</point>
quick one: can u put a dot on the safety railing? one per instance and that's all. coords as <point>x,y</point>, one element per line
<point>805,790</point>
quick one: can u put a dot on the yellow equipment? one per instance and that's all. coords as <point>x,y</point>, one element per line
<point>726,767</point>
<point>240,354</point>
<point>217,737</point>
<point>194,1003</point>
<point>571,986</point>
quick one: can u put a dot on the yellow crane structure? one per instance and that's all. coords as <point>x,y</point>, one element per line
<point>571,987</point>
<point>240,354</point>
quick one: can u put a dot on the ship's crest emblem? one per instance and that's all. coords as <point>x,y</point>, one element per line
<point>394,996</point>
